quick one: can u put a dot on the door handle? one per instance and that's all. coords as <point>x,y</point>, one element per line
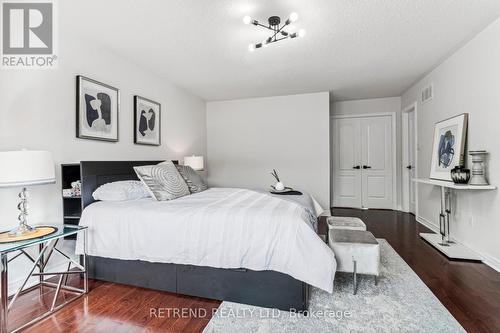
<point>356,167</point>
<point>409,167</point>
<point>366,167</point>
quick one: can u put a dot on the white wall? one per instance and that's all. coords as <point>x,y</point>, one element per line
<point>248,138</point>
<point>467,82</point>
<point>375,105</point>
<point>37,109</point>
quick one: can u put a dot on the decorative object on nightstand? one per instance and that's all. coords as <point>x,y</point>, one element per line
<point>195,162</point>
<point>25,168</point>
<point>280,188</point>
<point>279,185</point>
<point>460,175</point>
<point>478,167</point>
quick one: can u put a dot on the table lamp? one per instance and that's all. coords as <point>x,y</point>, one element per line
<point>195,162</point>
<point>25,168</point>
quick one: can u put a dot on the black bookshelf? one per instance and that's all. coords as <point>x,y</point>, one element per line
<point>72,206</point>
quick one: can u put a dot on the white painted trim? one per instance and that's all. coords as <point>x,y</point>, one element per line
<point>492,262</point>
<point>394,163</point>
<point>405,195</point>
<point>486,259</point>
<point>426,223</point>
<point>362,115</point>
<point>394,144</point>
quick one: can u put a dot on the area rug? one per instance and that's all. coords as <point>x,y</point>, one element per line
<point>400,302</point>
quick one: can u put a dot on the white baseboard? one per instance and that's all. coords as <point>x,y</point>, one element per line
<point>434,227</point>
<point>492,262</point>
<point>486,259</point>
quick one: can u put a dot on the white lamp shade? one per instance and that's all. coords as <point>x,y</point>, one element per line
<point>26,167</point>
<point>195,162</point>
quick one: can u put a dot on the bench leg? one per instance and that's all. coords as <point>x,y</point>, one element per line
<point>355,284</point>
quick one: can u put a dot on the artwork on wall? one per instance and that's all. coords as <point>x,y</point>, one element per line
<point>96,110</point>
<point>449,146</point>
<point>147,121</point>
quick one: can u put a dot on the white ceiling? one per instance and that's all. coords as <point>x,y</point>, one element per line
<point>355,48</point>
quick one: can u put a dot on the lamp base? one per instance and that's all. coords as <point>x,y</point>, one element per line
<point>22,230</point>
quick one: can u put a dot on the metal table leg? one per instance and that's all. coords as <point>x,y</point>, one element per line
<point>85,262</point>
<point>444,216</point>
<point>4,293</point>
<point>355,277</point>
<point>39,270</point>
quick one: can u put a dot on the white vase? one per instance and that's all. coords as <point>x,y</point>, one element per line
<point>478,167</point>
<point>279,186</point>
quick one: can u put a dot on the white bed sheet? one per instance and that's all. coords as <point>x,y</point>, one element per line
<point>220,227</point>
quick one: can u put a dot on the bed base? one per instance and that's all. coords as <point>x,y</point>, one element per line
<point>268,289</point>
<point>261,288</point>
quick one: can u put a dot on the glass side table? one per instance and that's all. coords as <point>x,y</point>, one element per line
<point>47,245</point>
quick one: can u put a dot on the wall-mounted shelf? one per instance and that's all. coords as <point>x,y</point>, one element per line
<point>442,241</point>
<point>452,185</point>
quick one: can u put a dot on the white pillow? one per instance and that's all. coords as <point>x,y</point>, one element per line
<point>121,191</point>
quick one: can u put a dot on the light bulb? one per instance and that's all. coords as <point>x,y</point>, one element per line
<point>294,17</point>
<point>247,19</point>
<point>302,33</point>
<point>251,47</point>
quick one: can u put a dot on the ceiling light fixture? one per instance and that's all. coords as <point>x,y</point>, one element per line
<point>279,32</point>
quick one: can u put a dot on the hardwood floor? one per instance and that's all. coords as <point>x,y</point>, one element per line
<point>470,291</point>
<point>115,308</point>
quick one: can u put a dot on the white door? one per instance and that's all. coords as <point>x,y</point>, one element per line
<point>346,163</point>
<point>376,160</point>
<point>362,162</point>
<point>411,160</point>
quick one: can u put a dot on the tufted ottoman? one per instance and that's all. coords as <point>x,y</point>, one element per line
<point>356,251</point>
<point>343,222</point>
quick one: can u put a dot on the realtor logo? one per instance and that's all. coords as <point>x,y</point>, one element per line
<point>28,34</point>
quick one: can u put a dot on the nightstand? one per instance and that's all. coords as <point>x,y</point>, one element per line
<point>47,246</point>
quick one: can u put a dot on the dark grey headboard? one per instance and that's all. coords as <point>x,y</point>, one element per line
<point>96,173</point>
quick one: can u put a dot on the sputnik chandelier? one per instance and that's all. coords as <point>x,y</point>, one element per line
<point>278,32</point>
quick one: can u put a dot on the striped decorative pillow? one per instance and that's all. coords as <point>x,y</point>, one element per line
<point>163,181</point>
<point>193,180</point>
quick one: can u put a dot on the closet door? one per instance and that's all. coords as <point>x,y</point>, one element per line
<point>346,162</point>
<point>376,162</point>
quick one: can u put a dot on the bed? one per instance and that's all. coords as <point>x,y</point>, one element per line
<point>228,244</point>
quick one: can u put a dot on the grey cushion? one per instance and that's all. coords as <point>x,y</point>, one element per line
<point>163,181</point>
<point>343,222</point>
<point>351,236</point>
<point>193,180</point>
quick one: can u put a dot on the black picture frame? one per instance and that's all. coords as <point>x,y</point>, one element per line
<point>137,139</point>
<point>80,80</point>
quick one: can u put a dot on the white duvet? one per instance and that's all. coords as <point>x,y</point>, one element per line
<point>220,227</point>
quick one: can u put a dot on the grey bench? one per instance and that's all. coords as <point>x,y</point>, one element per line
<point>356,251</point>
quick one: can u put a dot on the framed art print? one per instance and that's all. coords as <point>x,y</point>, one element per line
<point>147,121</point>
<point>449,146</point>
<point>97,109</point>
